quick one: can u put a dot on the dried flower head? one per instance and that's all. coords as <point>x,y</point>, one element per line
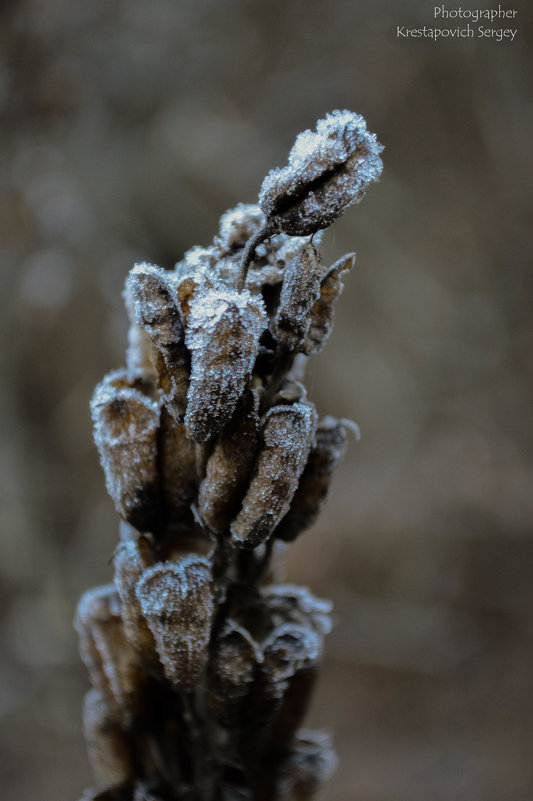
<point>202,665</point>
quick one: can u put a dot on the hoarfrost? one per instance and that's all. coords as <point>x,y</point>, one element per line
<point>328,170</point>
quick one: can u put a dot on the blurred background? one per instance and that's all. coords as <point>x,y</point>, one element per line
<point>128,128</point>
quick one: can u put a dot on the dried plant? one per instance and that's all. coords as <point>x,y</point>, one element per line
<point>201,663</point>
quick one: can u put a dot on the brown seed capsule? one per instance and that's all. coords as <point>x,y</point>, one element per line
<point>300,290</point>
<point>287,436</point>
<point>229,466</point>
<point>327,172</point>
<point>126,422</point>
<point>111,662</point>
<point>177,468</point>
<point>281,692</point>
<point>130,560</point>
<point>108,746</point>
<point>177,600</point>
<point>291,656</point>
<point>321,316</point>
<point>310,761</point>
<point>232,670</point>
<point>331,440</point>
<point>223,337</point>
<point>157,311</point>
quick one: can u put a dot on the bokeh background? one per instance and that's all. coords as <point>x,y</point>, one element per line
<point>128,127</point>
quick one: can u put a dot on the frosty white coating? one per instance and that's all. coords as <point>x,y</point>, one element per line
<point>223,338</point>
<point>126,423</point>
<point>287,437</point>
<point>328,170</point>
<point>177,601</point>
<point>300,290</point>
<point>238,225</point>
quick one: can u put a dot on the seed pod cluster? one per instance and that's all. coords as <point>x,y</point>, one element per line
<point>201,664</point>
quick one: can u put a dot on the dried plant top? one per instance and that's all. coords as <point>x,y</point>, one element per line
<point>201,663</point>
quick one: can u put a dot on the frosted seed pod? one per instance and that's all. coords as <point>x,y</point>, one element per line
<point>289,603</point>
<point>280,694</point>
<point>232,670</point>
<point>130,559</point>
<point>328,170</point>
<point>289,649</point>
<point>229,466</point>
<point>310,762</point>
<point>177,600</point>
<point>292,654</point>
<point>330,445</point>
<point>157,311</point>
<point>126,422</point>
<point>107,654</point>
<point>287,436</point>
<point>321,316</point>
<point>223,337</point>
<point>300,290</point>
<point>108,746</point>
<point>177,468</point>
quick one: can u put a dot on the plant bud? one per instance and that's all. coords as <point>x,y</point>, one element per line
<point>229,466</point>
<point>300,290</point>
<point>126,422</point>
<point>157,311</point>
<point>328,170</point>
<point>177,601</point>
<point>287,436</point>
<point>223,337</point>
<point>321,316</point>
<point>108,746</point>
<point>331,441</point>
